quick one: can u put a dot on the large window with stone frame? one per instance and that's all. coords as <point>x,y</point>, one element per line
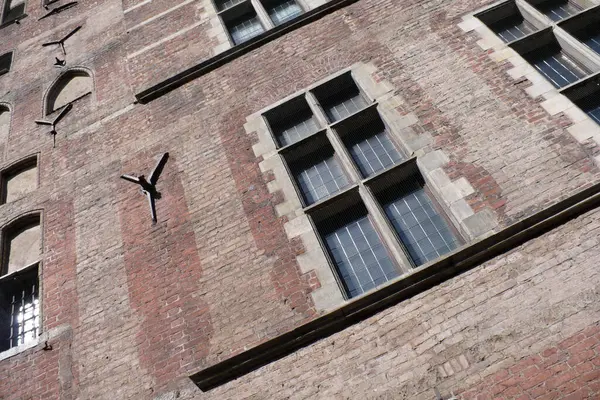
<point>5,63</point>
<point>374,214</point>
<point>246,19</point>
<point>560,39</point>
<point>19,283</point>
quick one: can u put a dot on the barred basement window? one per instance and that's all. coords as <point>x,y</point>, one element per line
<point>19,285</point>
<point>348,176</point>
<point>5,62</point>
<point>246,19</point>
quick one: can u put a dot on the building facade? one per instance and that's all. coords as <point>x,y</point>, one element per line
<point>353,199</point>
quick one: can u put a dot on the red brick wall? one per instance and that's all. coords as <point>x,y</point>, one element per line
<point>217,275</point>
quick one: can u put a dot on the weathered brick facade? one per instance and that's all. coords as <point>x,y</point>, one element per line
<point>130,310</point>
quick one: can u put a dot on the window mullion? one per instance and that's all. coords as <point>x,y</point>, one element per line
<point>380,223</point>
<point>343,155</point>
<point>262,14</point>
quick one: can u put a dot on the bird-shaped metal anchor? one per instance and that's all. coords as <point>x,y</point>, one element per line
<point>61,42</point>
<point>53,123</point>
<point>148,187</point>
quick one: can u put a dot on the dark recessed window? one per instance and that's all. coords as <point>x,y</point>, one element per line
<point>513,28</point>
<point>421,228</point>
<point>591,106</point>
<point>371,147</point>
<point>559,68</point>
<point>340,98</point>
<point>225,4</point>
<point>361,259</point>
<point>594,40</point>
<point>13,10</point>
<point>5,62</point>
<point>281,11</point>
<point>319,176</point>
<point>244,27</point>
<point>19,308</point>
<point>292,121</point>
<point>559,10</point>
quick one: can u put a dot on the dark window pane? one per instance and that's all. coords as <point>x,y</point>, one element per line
<point>19,310</point>
<point>283,11</point>
<point>594,42</point>
<point>245,29</point>
<point>345,103</point>
<point>423,231</point>
<point>594,111</point>
<point>360,257</point>
<point>13,9</point>
<point>513,28</point>
<point>225,4</point>
<point>559,69</point>
<point>321,179</point>
<point>374,153</point>
<point>557,11</point>
<point>297,127</point>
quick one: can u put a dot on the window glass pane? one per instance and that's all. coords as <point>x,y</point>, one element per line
<point>225,4</point>
<point>13,9</point>
<point>425,234</point>
<point>559,69</point>
<point>344,104</point>
<point>594,113</point>
<point>245,29</point>
<point>321,179</point>
<point>594,42</point>
<point>374,153</point>
<point>360,257</point>
<point>284,11</point>
<point>561,10</point>
<point>513,29</point>
<point>19,313</point>
<point>298,127</point>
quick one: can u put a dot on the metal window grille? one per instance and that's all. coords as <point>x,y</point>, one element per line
<point>560,11</point>
<point>20,310</point>
<point>245,29</point>
<point>374,153</point>
<point>321,178</point>
<point>559,69</point>
<point>344,103</point>
<point>284,11</point>
<point>359,256</point>
<point>423,231</point>
<point>513,28</point>
<point>297,127</point>
<point>594,43</point>
<point>225,4</point>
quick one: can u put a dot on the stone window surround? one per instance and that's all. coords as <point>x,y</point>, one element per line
<point>12,224</point>
<point>16,166</point>
<point>11,21</point>
<point>555,100</point>
<point>449,194</point>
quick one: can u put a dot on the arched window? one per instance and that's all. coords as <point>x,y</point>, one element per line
<point>4,122</point>
<point>19,283</point>
<point>18,180</point>
<point>69,87</point>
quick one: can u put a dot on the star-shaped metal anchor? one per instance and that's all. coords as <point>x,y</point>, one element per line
<point>61,42</point>
<point>53,123</point>
<point>149,186</point>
